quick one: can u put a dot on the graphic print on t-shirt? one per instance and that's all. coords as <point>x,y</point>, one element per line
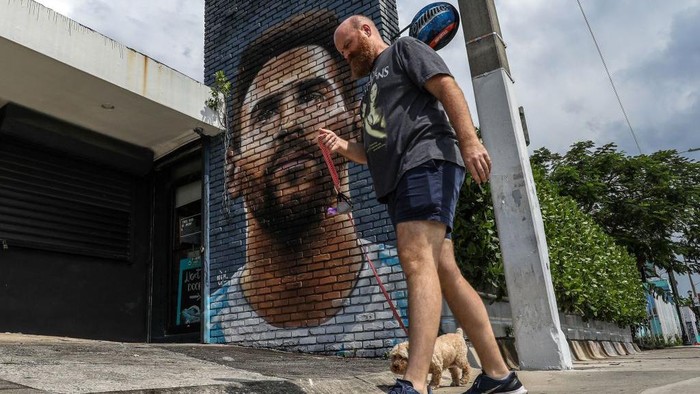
<point>373,120</point>
<point>373,117</point>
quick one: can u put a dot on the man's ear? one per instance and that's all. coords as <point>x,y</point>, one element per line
<point>234,178</point>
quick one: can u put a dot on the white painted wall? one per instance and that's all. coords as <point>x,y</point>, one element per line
<point>56,66</point>
<point>668,318</point>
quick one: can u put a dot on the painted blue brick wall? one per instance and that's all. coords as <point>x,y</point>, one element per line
<point>366,326</point>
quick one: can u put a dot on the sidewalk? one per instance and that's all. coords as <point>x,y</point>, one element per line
<point>36,364</point>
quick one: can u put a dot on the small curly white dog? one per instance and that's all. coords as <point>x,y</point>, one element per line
<point>450,352</point>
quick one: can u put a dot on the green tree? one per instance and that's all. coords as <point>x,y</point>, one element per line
<point>220,94</point>
<point>647,203</point>
<point>476,244</point>
<point>593,277</point>
<point>221,91</point>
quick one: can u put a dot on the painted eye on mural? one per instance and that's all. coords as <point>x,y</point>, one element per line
<point>264,112</point>
<point>311,97</point>
<point>314,91</point>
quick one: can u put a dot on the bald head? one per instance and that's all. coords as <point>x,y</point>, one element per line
<point>359,41</point>
<point>357,21</point>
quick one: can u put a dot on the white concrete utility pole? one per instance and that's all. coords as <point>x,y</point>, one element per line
<point>540,342</point>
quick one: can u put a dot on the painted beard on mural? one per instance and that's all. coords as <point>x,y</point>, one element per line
<point>280,173</point>
<point>293,197</point>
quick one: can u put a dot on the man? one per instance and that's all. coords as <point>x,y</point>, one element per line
<point>416,156</point>
<point>301,266</point>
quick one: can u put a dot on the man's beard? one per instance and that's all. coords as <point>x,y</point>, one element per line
<point>361,63</point>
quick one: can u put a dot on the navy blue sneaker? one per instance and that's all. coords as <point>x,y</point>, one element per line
<point>484,384</point>
<point>404,387</point>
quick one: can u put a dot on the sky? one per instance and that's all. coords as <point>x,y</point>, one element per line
<point>561,82</point>
<point>650,48</point>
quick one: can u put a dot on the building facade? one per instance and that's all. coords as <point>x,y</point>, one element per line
<point>284,273</point>
<point>127,213</point>
<point>99,150</point>
<point>663,318</point>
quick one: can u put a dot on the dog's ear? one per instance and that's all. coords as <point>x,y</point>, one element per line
<point>395,351</point>
<point>403,348</point>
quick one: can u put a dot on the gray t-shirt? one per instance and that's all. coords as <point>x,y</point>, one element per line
<point>403,124</point>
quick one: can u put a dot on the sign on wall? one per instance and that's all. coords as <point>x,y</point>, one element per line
<point>189,290</point>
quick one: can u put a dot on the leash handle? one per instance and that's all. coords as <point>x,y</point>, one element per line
<point>329,163</point>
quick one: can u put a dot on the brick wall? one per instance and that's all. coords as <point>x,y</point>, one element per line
<point>283,274</point>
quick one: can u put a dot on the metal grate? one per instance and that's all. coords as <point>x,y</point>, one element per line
<point>54,202</point>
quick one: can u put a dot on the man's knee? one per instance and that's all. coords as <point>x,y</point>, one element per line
<point>447,264</point>
<point>416,263</point>
<point>419,246</point>
<point>448,270</point>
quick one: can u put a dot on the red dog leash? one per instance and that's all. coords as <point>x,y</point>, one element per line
<point>342,199</point>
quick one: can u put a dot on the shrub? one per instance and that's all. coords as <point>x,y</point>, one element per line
<point>592,276</point>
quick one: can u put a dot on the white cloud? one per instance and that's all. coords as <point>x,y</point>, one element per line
<point>171,32</point>
<point>562,83</point>
<point>649,46</point>
<point>63,7</point>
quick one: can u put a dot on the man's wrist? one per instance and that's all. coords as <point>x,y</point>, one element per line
<point>343,145</point>
<point>469,139</point>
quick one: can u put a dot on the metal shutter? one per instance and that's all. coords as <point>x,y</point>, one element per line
<point>51,201</point>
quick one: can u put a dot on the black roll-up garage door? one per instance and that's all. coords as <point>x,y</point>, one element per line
<point>54,202</point>
<point>75,223</point>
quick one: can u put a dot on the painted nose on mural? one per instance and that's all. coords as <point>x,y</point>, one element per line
<point>287,131</point>
<point>289,125</point>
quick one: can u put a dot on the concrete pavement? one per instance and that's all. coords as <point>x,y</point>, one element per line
<point>36,364</point>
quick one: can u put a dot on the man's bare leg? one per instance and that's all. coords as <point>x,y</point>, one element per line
<point>467,306</point>
<point>419,246</point>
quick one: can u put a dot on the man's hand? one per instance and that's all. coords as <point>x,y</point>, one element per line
<point>477,161</point>
<point>330,139</point>
<point>351,150</point>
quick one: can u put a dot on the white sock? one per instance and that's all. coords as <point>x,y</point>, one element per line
<point>502,377</point>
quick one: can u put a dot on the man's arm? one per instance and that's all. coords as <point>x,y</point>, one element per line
<point>475,156</point>
<point>351,150</point>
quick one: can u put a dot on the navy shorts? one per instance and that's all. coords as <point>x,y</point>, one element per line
<point>427,192</point>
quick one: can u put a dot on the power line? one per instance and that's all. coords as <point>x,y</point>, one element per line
<point>602,59</point>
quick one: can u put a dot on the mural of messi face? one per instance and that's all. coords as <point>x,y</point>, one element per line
<point>289,99</point>
<point>300,265</point>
